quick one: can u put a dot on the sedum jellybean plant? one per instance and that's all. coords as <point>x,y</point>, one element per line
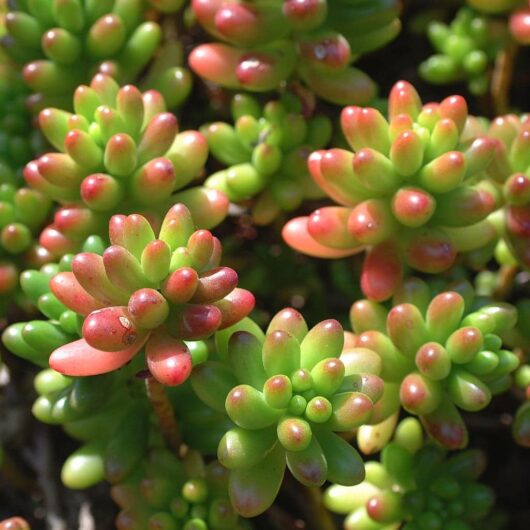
<point>466,48</point>
<point>264,265</point>
<point>264,43</point>
<point>266,151</point>
<point>294,394</point>
<point>410,193</point>
<point>120,147</point>
<point>417,486</point>
<point>437,354</point>
<point>61,44</point>
<point>147,293</point>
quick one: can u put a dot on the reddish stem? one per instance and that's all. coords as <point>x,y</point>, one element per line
<point>156,392</point>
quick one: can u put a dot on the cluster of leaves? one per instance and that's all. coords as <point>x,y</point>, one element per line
<point>150,351</point>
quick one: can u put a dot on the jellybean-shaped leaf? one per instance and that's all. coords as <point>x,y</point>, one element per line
<point>180,285</point>
<point>234,306</point>
<point>247,407</point>
<point>382,271</point>
<point>372,438</point>
<point>168,359</point>
<point>467,465</point>
<point>394,364</point>
<point>385,507</point>
<point>177,226</point>
<point>80,359</point>
<point>406,328</point>
<point>443,315</point>
<point>148,308</point>
<point>15,343</point>
<point>89,271</point>
<point>85,467</point>
<point>346,499</point>
<point>112,329</point>
<point>309,465</point>
<point>467,391</point>
<point>281,353</point>
<point>289,320</point>
<point>366,315</point>
<point>212,381</point>
<point>350,410</point>
<point>155,260</point>
<point>296,234</point>
<point>123,269</point>
<point>345,465</point>
<point>327,376</point>
<point>69,291</point>
<point>243,449</point>
<point>398,461</point>
<point>194,322</point>
<point>244,354</point>
<point>419,394</point>
<point>324,340</point>
<point>446,425</point>
<point>252,491</point>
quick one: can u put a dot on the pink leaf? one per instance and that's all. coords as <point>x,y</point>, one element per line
<point>168,359</point>
<point>79,359</point>
<point>296,235</point>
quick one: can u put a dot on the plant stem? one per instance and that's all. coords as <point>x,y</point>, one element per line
<point>163,410</point>
<point>281,520</point>
<point>319,517</point>
<point>307,97</point>
<point>502,77</point>
<point>309,502</point>
<point>506,275</point>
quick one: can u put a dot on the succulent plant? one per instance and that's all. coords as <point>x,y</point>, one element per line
<point>113,431</point>
<point>121,152</point>
<point>465,50</point>
<point>513,173</point>
<point>23,212</point>
<point>438,354</point>
<point>201,426</point>
<point>82,406</point>
<point>288,394</point>
<point>18,141</point>
<point>148,292</point>
<point>64,43</point>
<point>143,344</point>
<point>265,43</point>
<point>167,75</point>
<point>35,340</point>
<point>168,494</point>
<point>266,152</point>
<point>416,487</point>
<point>408,193</point>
